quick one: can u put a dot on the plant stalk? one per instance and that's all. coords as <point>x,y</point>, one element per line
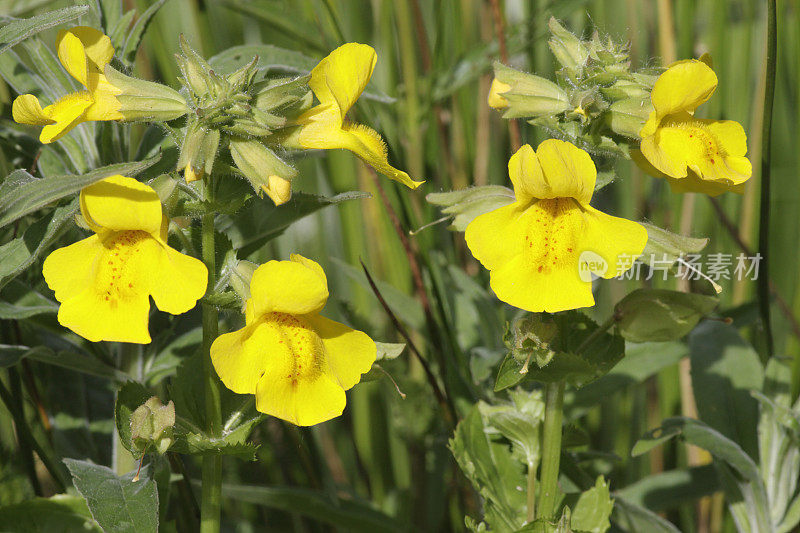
<point>766,137</point>
<point>211,498</point>
<point>551,448</point>
<point>531,501</point>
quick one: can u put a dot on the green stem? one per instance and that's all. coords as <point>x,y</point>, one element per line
<point>763,227</point>
<point>551,448</point>
<point>408,60</point>
<point>211,498</point>
<point>531,492</point>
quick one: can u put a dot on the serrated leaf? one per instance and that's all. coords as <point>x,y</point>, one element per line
<point>465,205</point>
<point>134,37</point>
<point>269,57</point>
<point>118,504</point>
<point>30,195</point>
<point>15,32</point>
<point>652,315</point>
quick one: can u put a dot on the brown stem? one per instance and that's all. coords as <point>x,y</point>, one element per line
<point>500,31</point>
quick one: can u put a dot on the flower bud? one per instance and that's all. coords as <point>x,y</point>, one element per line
<point>267,173</point>
<point>528,95</point>
<point>495,100</point>
<point>568,49</point>
<point>198,152</point>
<point>146,100</point>
<point>627,117</point>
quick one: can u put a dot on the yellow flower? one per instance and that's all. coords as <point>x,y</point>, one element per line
<point>296,362</point>
<point>542,249</point>
<point>104,282</point>
<point>84,52</point>
<point>495,99</point>
<point>698,155</point>
<point>337,81</point>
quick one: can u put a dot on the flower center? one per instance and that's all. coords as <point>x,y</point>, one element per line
<point>552,235</point>
<point>299,342</point>
<point>116,274</point>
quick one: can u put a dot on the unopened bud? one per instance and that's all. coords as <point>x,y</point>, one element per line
<point>267,173</point>
<point>146,100</point>
<point>495,99</point>
<point>528,95</point>
<point>278,189</point>
<point>198,152</point>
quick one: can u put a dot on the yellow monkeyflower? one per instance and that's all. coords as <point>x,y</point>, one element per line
<point>495,98</point>
<point>104,282</point>
<point>296,362</point>
<point>84,52</point>
<point>542,249</point>
<point>338,81</point>
<point>697,155</point>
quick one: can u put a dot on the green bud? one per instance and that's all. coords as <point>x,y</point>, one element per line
<point>530,95</point>
<point>164,185</point>
<point>283,93</point>
<point>246,127</point>
<point>197,74</point>
<point>152,424</point>
<point>624,89</point>
<point>626,117</point>
<point>199,150</point>
<point>568,49</point>
<point>241,79</point>
<point>266,172</point>
<point>146,100</point>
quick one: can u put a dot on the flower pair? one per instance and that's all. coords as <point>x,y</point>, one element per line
<point>296,362</point>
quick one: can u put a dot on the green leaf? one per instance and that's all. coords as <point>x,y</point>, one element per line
<point>663,245</point>
<point>269,57</point>
<point>20,301</point>
<point>118,504</point>
<point>724,371</point>
<point>61,512</point>
<point>673,488</point>
<point>261,221</point>
<point>492,471</point>
<point>520,422</point>
<point>638,519</point>
<point>344,514</point>
<point>388,350</point>
<point>641,361</point>
<point>465,205</point>
<point>134,37</point>
<point>592,512</point>
<point>741,477</point>
<point>31,194</point>
<point>661,315</point>
<point>17,31</point>
<point>19,254</point>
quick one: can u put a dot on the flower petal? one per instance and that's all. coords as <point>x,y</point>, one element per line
<point>303,402</point>
<point>72,55</point>
<point>520,284</point>
<point>105,105</point>
<point>526,175</point>
<point>97,45</point>
<point>617,240</point>
<point>348,352</point>
<point>27,110</point>
<point>495,100</point>
<point>683,87</point>
<point>494,238</point>
<point>341,77</point>
<point>177,281</point>
<point>569,172</point>
<point>68,271</point>
<point>67,113</point>
<point>240,357</point>
<point>288,287</point>
<point>369,146</point>
<point>121,203</point>
<point>95,319</point>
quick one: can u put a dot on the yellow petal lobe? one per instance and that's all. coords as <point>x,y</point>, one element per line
<point>27,110</point>
<point>121,203</point>
<point>287,287</point>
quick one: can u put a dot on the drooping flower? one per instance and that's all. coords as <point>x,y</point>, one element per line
<point>338,81</point>
<point>105,281</point>
<point>542,249</point>
<point>296,362</point>
<point>697,155</point>
<point>84,52</point>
